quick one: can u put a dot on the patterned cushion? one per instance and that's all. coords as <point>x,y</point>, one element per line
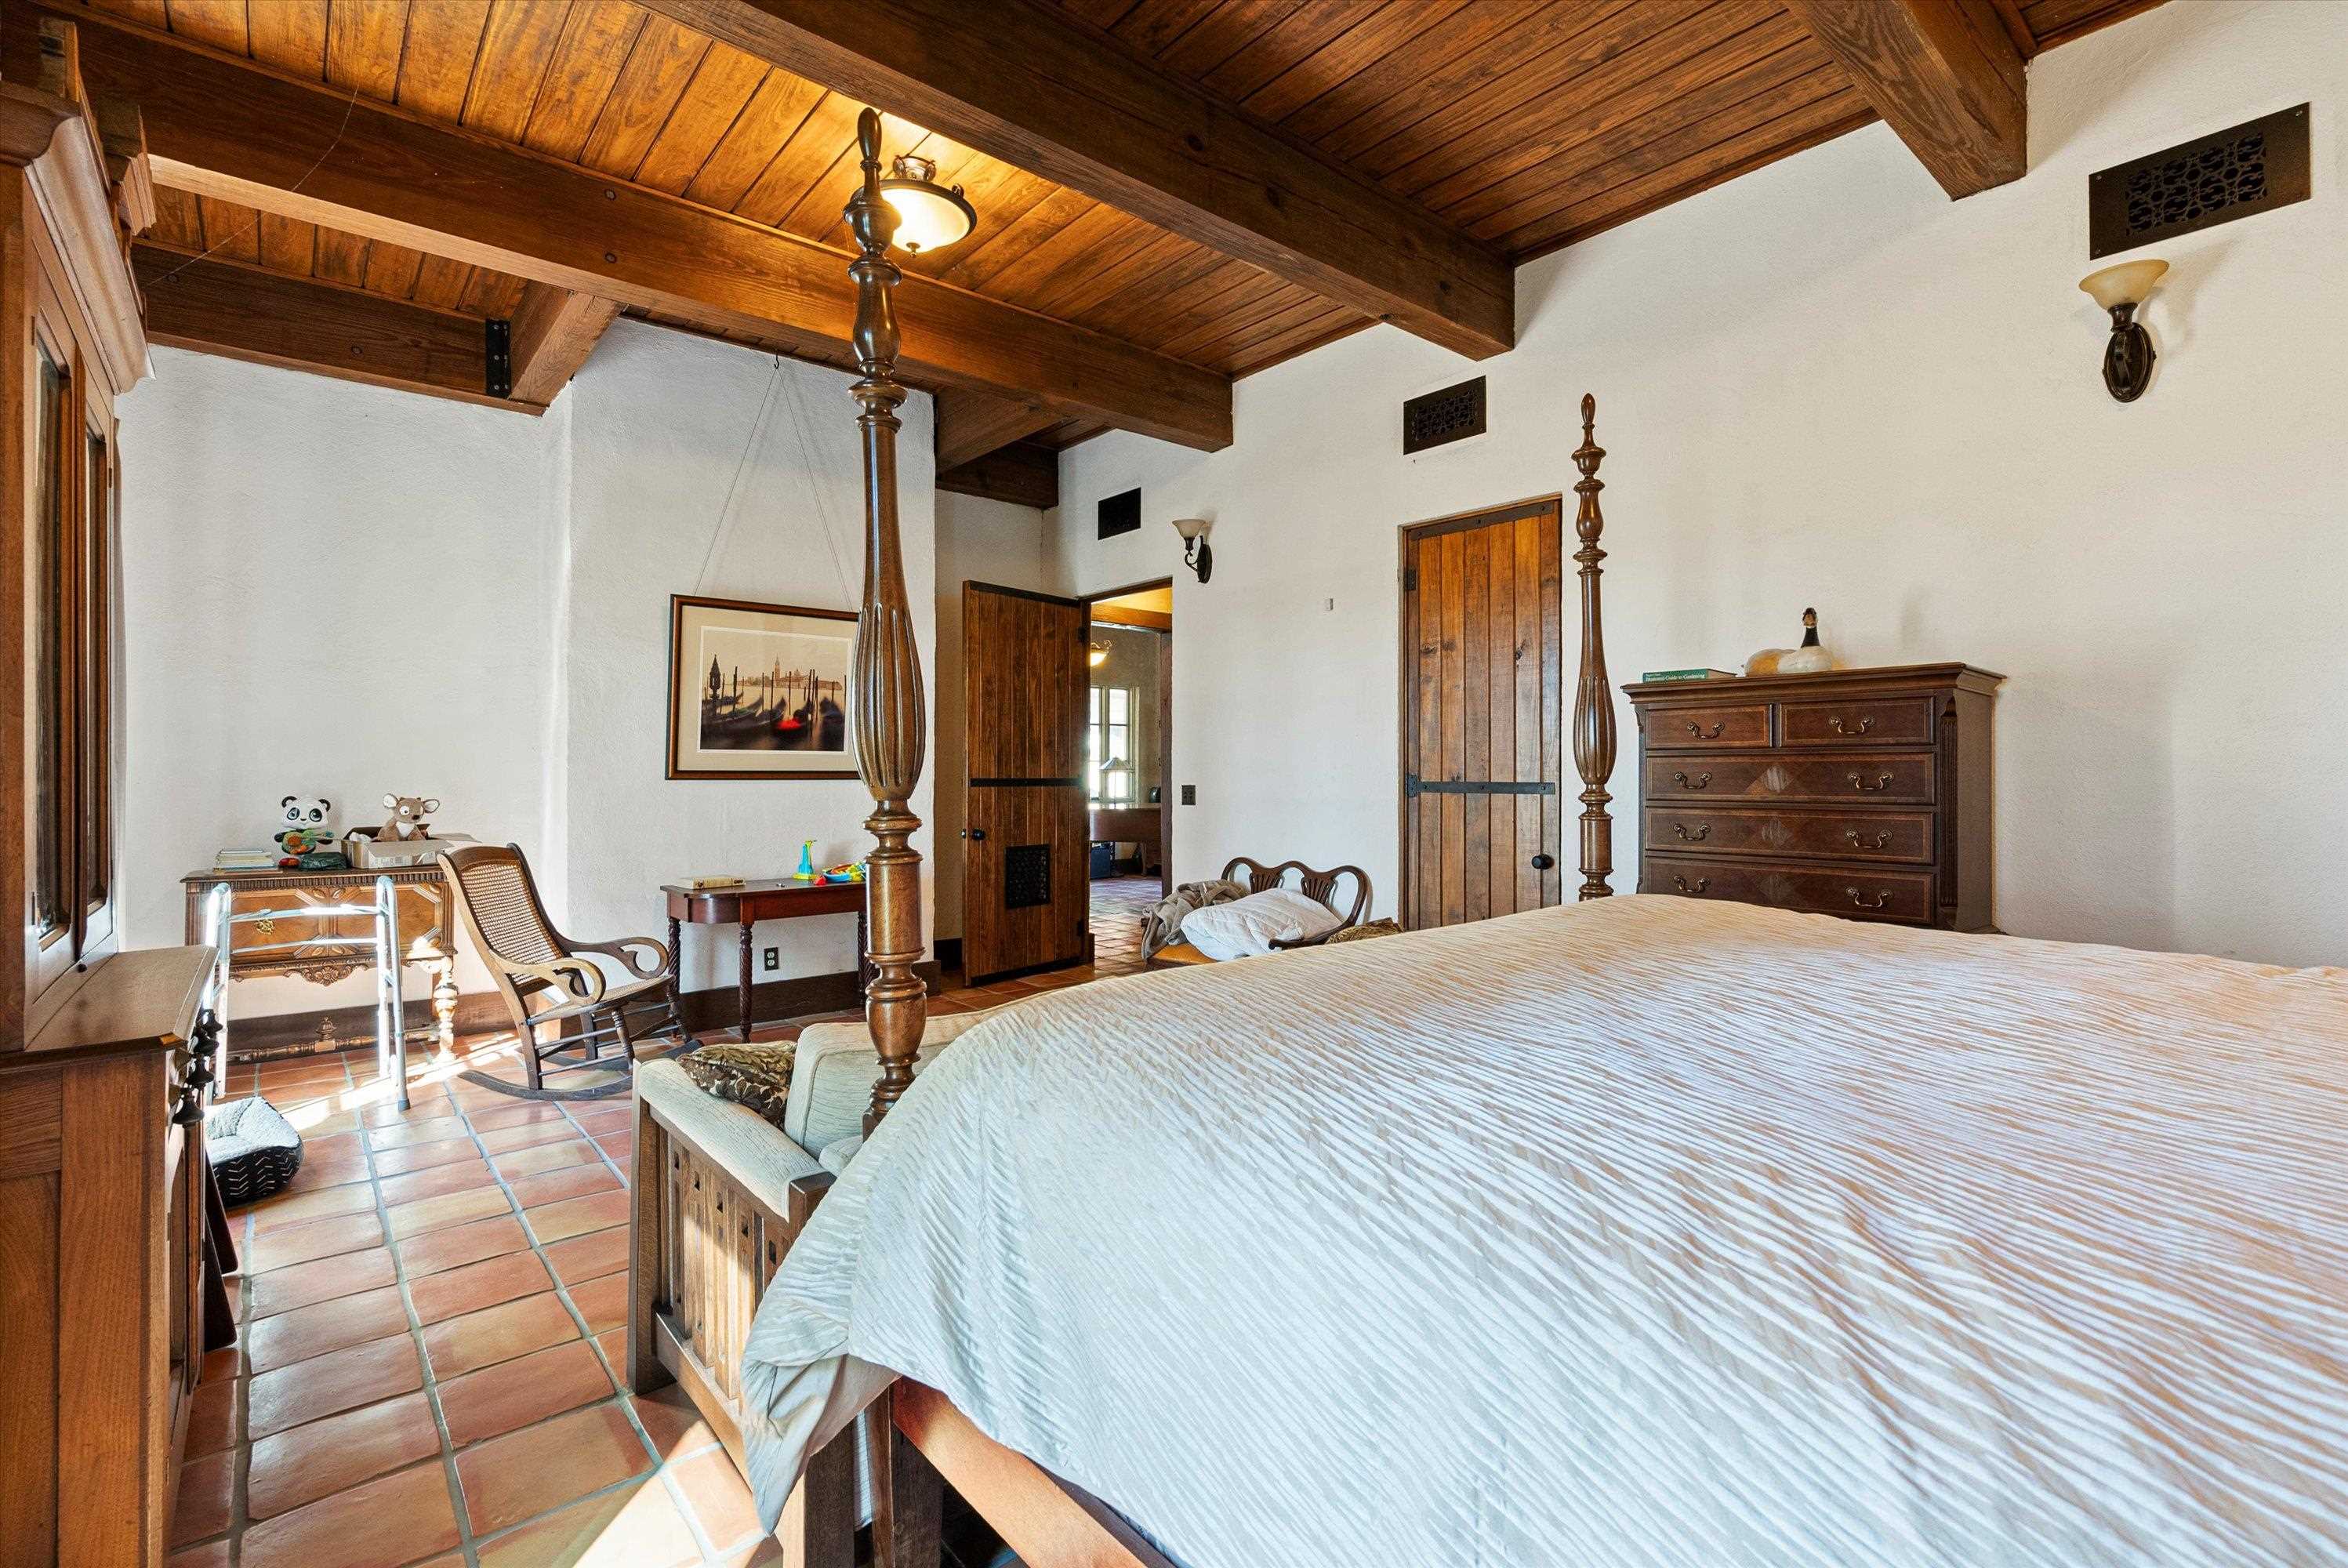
<point>1367,929</point>
<point>759,1076</point>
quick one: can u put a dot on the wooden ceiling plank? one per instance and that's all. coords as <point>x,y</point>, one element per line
<point>444,41</point>
<point>214,308</point>
<point>288,245</point>
<point>811,151</point>
<point>289,36</point>
<point>1296,343</point>
<point>516,47</point>
<point>596,39</point>
<point>1226,285</point>
<point>1384,81</point>
<point>1096,241</point>
<point>1223,33</point>
<point>364,39</point>
<point>1236,318</point>
<point>1158,289</point>
<point>1329,67</point>
<point>1489,141</point>
<point>1943,74</point>
<point>391,269</point>
<point>1032,88</point>
<point>2058,22</point>
<point>1295,38</point>
<point>178,221</point>
<point>819,213</point>
<point>500,294</point>
<point>722,87</point>
<point>441,283</point>
<point>220,24</point>
<point>1103,14</point>
<point>976,266</point>
<point>1838,109</point>
<point>1408,98</point>
<point>971,424</point>
<point>228,131</point>
<point>1150,26</point>
<point>1070,297</point>
<point>1004,194</point>
<point>231,228</point>
<point>650,90</point>
<point>341,257</point>
<point>147,12</point>
<point>1217,346</point>
<point>554,331</point>
<point>1621,125</point>
<point>765,124</point>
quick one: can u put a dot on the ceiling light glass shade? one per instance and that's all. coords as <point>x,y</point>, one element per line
<point>929,216</point>
<point>2126,283</point>
<point>1190,528</point>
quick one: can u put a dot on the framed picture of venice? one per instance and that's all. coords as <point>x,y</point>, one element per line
<point>758,691</point>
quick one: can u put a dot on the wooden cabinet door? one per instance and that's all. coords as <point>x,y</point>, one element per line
<point>1026,891</point>
<point>1483,737</point>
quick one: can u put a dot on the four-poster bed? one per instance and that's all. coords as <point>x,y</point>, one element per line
<point>1608,1233</point>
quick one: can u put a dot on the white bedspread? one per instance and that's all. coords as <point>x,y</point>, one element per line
<point>1650,1232</point>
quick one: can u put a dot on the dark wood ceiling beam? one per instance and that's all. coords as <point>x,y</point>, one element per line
<point>972,424</point>
<point>1063,100</point>
<point>270,318</point>
<point>1945,75</point>
<point>1023,473</point>
<point>554,331</point>
<point>220,128</point>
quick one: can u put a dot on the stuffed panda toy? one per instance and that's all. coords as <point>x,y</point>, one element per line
<point>305,840</point>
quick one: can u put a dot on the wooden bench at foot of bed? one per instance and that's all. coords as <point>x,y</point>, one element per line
<point>719,1196</point>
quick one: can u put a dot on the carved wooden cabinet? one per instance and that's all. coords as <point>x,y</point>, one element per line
<point>1859,793</point>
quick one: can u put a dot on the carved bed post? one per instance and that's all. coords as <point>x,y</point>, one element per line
<point>1593,703</point>
<point>886,697</point>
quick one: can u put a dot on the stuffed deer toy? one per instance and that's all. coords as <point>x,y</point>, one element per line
<point>407,817</point>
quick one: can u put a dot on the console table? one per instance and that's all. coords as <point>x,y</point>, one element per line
<point>744,905</point>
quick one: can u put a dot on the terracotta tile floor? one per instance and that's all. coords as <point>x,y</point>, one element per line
<point>429,1354</point>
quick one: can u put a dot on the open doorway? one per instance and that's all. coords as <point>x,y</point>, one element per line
<point>1128,763</point>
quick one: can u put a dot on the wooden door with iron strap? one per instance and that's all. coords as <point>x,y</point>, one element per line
<point>1025,888</point>
<point>1482,715</point>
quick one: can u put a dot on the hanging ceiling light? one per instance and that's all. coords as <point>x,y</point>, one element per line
<point>929,216</point>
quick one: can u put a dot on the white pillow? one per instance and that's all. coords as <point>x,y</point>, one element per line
<point>1247,926</point>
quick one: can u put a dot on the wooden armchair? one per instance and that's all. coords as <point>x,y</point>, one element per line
<point>561,1001</point>
<point>1317,885</point>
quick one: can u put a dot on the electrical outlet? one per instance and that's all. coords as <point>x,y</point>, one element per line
<point>773,957</point>
<point>1190,794</point>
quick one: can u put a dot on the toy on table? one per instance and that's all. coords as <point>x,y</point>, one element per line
<point>305,842</point>
<point>846,871</point>
<point>407,817</point>
<point>807,871</point>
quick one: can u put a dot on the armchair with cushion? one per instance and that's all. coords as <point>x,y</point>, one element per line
<point>1163,947</point>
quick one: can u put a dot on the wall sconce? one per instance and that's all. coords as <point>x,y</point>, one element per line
<point>2129,357</point>
<point>1095,655</point>
<point>1194,553</point>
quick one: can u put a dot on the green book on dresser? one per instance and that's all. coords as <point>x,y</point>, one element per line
<point>1690,675</point>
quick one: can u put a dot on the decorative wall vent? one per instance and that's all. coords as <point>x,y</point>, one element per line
<point>1026,876</point>
<point>1120,514</point>
<point>1438,418</point>
<point>2249,168</point>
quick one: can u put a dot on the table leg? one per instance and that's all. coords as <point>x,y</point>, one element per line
<point>444,1004</point>
<point>675,974</point>
<point>745,1029</point>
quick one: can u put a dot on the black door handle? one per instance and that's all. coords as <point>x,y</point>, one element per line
<point>975,832</point>
<point>1542,863</point>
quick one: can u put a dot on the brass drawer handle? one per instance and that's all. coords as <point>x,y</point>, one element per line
<point>1881,899</point>
<point>1835,725</point>
<point>1702,734</point>
<point>1700,779</point>
<point>1699,836</point>
<point>1882,839</point>
<point>1882,781</point>
<point>1680,882</point>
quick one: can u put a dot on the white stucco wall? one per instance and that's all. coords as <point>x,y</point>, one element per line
<point>1825,384</point>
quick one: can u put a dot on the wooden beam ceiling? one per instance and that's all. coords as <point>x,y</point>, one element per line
<point>242,312</point>
<point>1060,99</point>
<point>971,424</point>
<point>1024,473</point>
<point>1946,75</point>
<point>220,128</point>
<point>554,331</point>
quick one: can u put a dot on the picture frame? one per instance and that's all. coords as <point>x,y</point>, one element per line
<point>759,690</point>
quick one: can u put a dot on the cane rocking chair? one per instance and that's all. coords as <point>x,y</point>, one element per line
<point>566,1006</point>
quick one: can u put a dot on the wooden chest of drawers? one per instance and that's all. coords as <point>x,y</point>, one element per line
<point>1861,793</point>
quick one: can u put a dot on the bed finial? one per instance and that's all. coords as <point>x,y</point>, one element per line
<point>1593,703</point>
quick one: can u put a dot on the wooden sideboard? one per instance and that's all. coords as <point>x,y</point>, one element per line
<point>1859,793</point>
<point>325,949</point>
<point>110,1263</point>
